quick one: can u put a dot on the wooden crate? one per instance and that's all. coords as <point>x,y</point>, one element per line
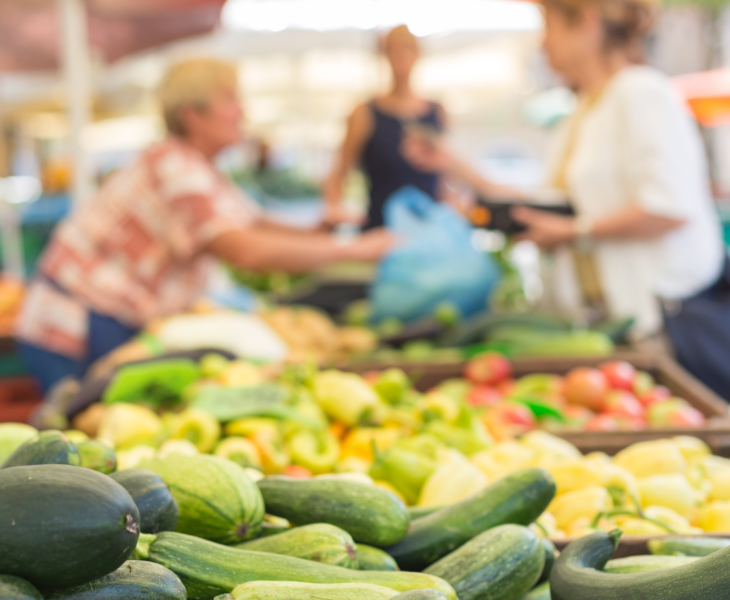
<point>663,368</point>
<point>19,397</point>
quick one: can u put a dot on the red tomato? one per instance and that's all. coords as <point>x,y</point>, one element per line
<point>643,383</point>
<point>484,395</point>
<point>623,404</point>
<point>489,368</point>
<point>687,416</point>
<point>297,472</point>
<point>586,387</point>
<point>603,423</point>
<point>620,374</point>
<point>505,387</point>
<point>631,424</point>
<point>508,420</point>
<point>656,394</point>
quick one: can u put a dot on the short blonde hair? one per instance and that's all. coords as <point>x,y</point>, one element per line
<point>192,83</point>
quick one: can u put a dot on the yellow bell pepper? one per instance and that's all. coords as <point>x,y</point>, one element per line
<point>658,457</point>
<point>317,452</point>
<point>439,405</point>
<point>715,517</point>
<point>240,450</point>
<point>128,425</point>
<point>198,427</point>
<point>250,425</point>
<point>359,442</point>
<point>345,397</point>
<point>716,471</point>
<point>503,458</point>
<point>576,475</point>
<point>673,491</point>
<point>239,373</point>
<point>675,522</point>
<point>545,444</point>
<point>274,455</point>
<point>587,502</point>
<point>691,447</point>
<point>451,483</point>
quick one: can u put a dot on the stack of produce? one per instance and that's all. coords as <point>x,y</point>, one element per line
<point>200,528</point>
<point>11,297</point>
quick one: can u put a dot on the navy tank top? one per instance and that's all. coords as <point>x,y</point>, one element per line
<point>384,165</point>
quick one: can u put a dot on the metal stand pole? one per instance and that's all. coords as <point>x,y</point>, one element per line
<point>77,70</point>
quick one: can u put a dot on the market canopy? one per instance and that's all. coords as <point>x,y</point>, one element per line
<point>30,34</point>
<point>708,95</point>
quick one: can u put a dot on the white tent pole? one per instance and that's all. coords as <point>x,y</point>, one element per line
<point>77,71</point>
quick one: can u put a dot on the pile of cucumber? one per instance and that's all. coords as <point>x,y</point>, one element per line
<point>198,528</point>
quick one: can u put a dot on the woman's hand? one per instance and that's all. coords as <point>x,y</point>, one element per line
<point>371,245</point>
<point>547,230</point>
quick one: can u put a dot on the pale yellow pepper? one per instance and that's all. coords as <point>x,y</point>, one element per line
<point>715,517</point>
<point>546,445</point>
<point>452,482</point>
<point>658,457</point>
<point>503,458</point>
<point>716,470</point>
<point>677,523</point>
<point>359,442</point>
<point>587,502</point>
<point>691,447</point>
<point>345,397</point>
<point>576,475</point>
<point>673,491</point>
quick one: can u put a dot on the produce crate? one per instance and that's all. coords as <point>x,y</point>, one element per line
<point>663,368</point>
<point>19,397</point>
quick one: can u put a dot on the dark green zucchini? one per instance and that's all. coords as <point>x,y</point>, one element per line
<point>500,564</point>
<point>370,514</point>
<point>208,569</point>
<point>691,545</point>
<point>134,580</point>
<point>374,559</point>
<point>157,507</point>
<point>550,556</point>
<point>541,592</point>
<point>62,526</point>
<point>15,588</point>
<point>319,542</point>
<point>518,498</point>
<point>577,575</point>
<point>97,456</point>
<point>47,448</point>
<point>420,595</point>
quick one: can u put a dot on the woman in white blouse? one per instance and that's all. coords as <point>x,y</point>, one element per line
<point>632,163</point>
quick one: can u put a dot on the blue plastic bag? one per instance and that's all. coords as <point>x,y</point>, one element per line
<point>435,262</point>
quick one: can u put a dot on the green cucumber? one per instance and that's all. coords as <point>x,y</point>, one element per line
<point>62,526</point>
<point>500,564</point>
<point>15,588</point>
<point>292,590</point>
<point>577,575</point>
<point>157,507</point>
<point>47,448</point>
<point>97,456</point>
<point>420,595</point>
<point>207,569</point>
<point>518,498</point>
<point>319,542</point>
<point>374,559</point>
<point>216,499</point>
<point>645,563</point>
<point>550,556</point>
<point>134,580</point>
<point>540,592</point>
<point>694,545</point>
<point>417,512</point>
<point>370,514</point>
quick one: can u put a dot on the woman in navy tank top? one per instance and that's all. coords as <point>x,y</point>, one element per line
<point>375,132</point>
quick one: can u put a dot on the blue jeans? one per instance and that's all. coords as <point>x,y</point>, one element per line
<point>105,334</point>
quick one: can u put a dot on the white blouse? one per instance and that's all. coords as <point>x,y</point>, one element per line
<point>639,146</point>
